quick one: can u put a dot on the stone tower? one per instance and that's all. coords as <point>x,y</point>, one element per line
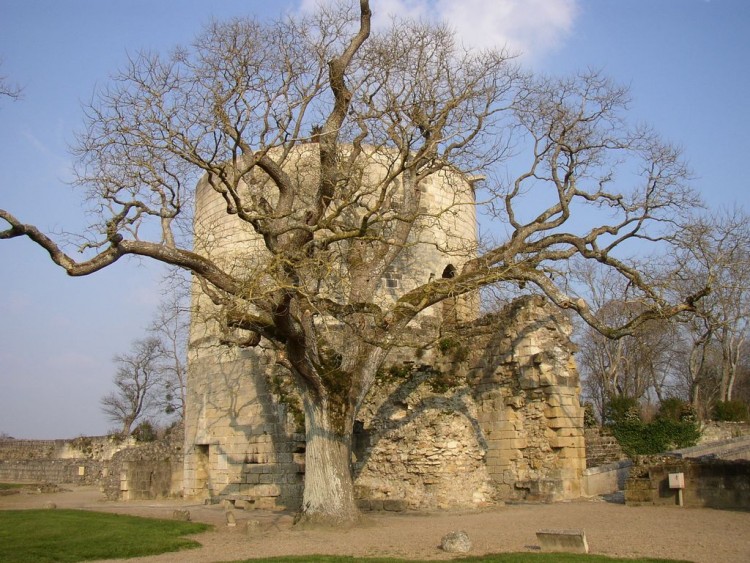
<point>499,407</point>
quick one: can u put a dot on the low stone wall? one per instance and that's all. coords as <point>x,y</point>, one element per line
<point>148,471</point>
<point>60,471</point>
<point>718,431</point>
<point>100,448</point>
<point>708,483</point>
<point>605,479</point>
<point>30,449</point>
<point>125,469</point>
<point>732,448</point>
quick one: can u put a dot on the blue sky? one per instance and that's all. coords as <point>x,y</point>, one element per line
<point>685,60</point>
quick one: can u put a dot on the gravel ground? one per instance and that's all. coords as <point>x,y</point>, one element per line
<point>701,535</point>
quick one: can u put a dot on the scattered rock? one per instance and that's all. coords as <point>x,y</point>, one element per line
<point>50,505</point>
<point>183,515</point>
<point>252,526</point>
<point>231,520</point>
<point>456,542</point>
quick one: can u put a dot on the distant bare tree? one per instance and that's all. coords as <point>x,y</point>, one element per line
<point>170,327</point>
<point>138,376</point>
<point>638,365</point>
<point>716,248</point>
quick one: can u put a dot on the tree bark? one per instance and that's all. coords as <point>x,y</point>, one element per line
<point>328,498</point>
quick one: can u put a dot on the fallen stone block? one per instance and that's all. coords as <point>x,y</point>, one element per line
<point>572,541</point>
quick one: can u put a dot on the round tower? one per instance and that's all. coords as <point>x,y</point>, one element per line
<point>241,438</point>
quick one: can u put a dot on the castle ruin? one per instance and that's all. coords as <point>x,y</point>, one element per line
<point>464,419</point>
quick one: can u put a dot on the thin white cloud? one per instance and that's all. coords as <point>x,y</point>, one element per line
<point>531,28</point>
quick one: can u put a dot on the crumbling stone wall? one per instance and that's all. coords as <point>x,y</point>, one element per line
<point>412,441</point>
<point>500,409</point>
<point>488,416</point>
<point>147,471</point>
<point>712,483</point>
<point>126,470</point>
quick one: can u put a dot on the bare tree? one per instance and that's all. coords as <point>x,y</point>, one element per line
<point>716,248</point>
<point>138,376</point>
<point>639,365</point>
<point>170,328</point>
<point>236,110</point>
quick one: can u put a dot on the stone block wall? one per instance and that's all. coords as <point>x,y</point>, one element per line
<point>150,479</point>
<point>602,447</point>
<point>60,471</point>
<point>411,447</point>
<point>708,483</point>
<point>242,441</point>
<point>500,409</point>
<point>83,460</point>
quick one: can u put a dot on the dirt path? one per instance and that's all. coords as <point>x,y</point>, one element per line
<point>701,535</point>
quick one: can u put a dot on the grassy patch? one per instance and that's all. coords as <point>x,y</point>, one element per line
<point>8,486</point>
<point>494,558</point>
<point>78,535</point>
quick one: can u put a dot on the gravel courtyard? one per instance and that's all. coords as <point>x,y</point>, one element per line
<point>701,535</point>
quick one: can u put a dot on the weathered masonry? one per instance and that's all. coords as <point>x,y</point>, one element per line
<point>463,420</point>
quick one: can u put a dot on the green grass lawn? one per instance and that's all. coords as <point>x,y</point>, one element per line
<point>498,558</point>
<point>8,486</point>
<point>78,535</point>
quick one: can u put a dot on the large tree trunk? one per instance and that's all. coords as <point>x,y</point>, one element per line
<point>329,489</point>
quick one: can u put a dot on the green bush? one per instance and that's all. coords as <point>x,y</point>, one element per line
<point>621,409</point>
<point>661,435</point>
<point>144,432</point>
<point>676,410</point>
<point>730,411</point>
